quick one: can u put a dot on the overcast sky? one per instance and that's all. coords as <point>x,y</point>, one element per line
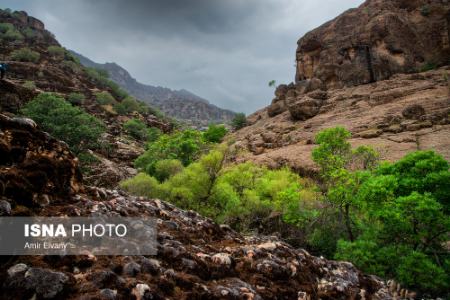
<point>225,51</point>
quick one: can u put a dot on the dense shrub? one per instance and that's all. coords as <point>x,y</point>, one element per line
<point>183,145</point>
<point>104,98</point>
<point>9,33</point>
<point>76,98</point>
<point>240,195</point>
<point>142,185</point>
<point>137,129</point>
<point>166,168</point>
<point>56,52</point>
<point>101,77</point>
<point>239,121</point>
<point>70,124</point>
<point>26,55</point>
<point>29,33</point>
<point>72,66</point>
<point>127,105</point>
<point>215,133</point>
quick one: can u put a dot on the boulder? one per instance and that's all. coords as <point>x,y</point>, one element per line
<point>305,108</point>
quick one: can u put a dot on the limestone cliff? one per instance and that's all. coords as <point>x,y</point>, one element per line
<point>378,39</point>
<point>362,71</point>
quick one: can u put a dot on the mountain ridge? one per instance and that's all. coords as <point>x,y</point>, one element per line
<point>179,104</point>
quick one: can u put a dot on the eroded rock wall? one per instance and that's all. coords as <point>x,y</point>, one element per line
<point>376,40</point>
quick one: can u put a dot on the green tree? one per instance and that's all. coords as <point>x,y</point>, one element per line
<point>182,145</point>
<point>333,152</point>
<point>239,121</point>
<point>215,133</point>
<point>404,213</point>
<point>272,83</point>
<point>78,129</point>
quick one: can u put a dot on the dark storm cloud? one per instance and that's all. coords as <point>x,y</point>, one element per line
<point>223,50</point>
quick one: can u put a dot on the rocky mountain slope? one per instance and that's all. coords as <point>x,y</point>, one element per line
<point>350,72</point>
<point>179,104</point>
<point>196,258</point>
<point>61,74</point>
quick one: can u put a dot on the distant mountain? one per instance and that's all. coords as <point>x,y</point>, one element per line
<point>179,104</point>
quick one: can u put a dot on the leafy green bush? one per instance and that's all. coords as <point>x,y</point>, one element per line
<point>101,77</point>
<point>183,145</point>
<point>142,185</point>
<point>29,85</point>
<point>29,33</point>
<point>137,129</point>
<point>239,121</point>
<point>72,66</point>
<point>56,52</point>
<point>70,124</point>
<point>166,168</point>
<point>127,105</point>
<point>26,55</point>
<point>153,134</point>
<point>9,33</point>
<point>240,195</point>
<point>215,133</point>
<point>76,98</point>
<point>104,98</point>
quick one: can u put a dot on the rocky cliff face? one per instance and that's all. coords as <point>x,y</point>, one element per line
<point>378,39</point>
<point>351,73</point>
<point>179,104</point>
<point>196,259</point>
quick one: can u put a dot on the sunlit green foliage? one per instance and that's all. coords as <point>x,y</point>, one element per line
<point>78,129</point>
<point>142,185</point>
<point>405,207</point>
<point>240,195</point>
<point>389,219</point>
<point>215,133</point>
<point>166,168</point>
